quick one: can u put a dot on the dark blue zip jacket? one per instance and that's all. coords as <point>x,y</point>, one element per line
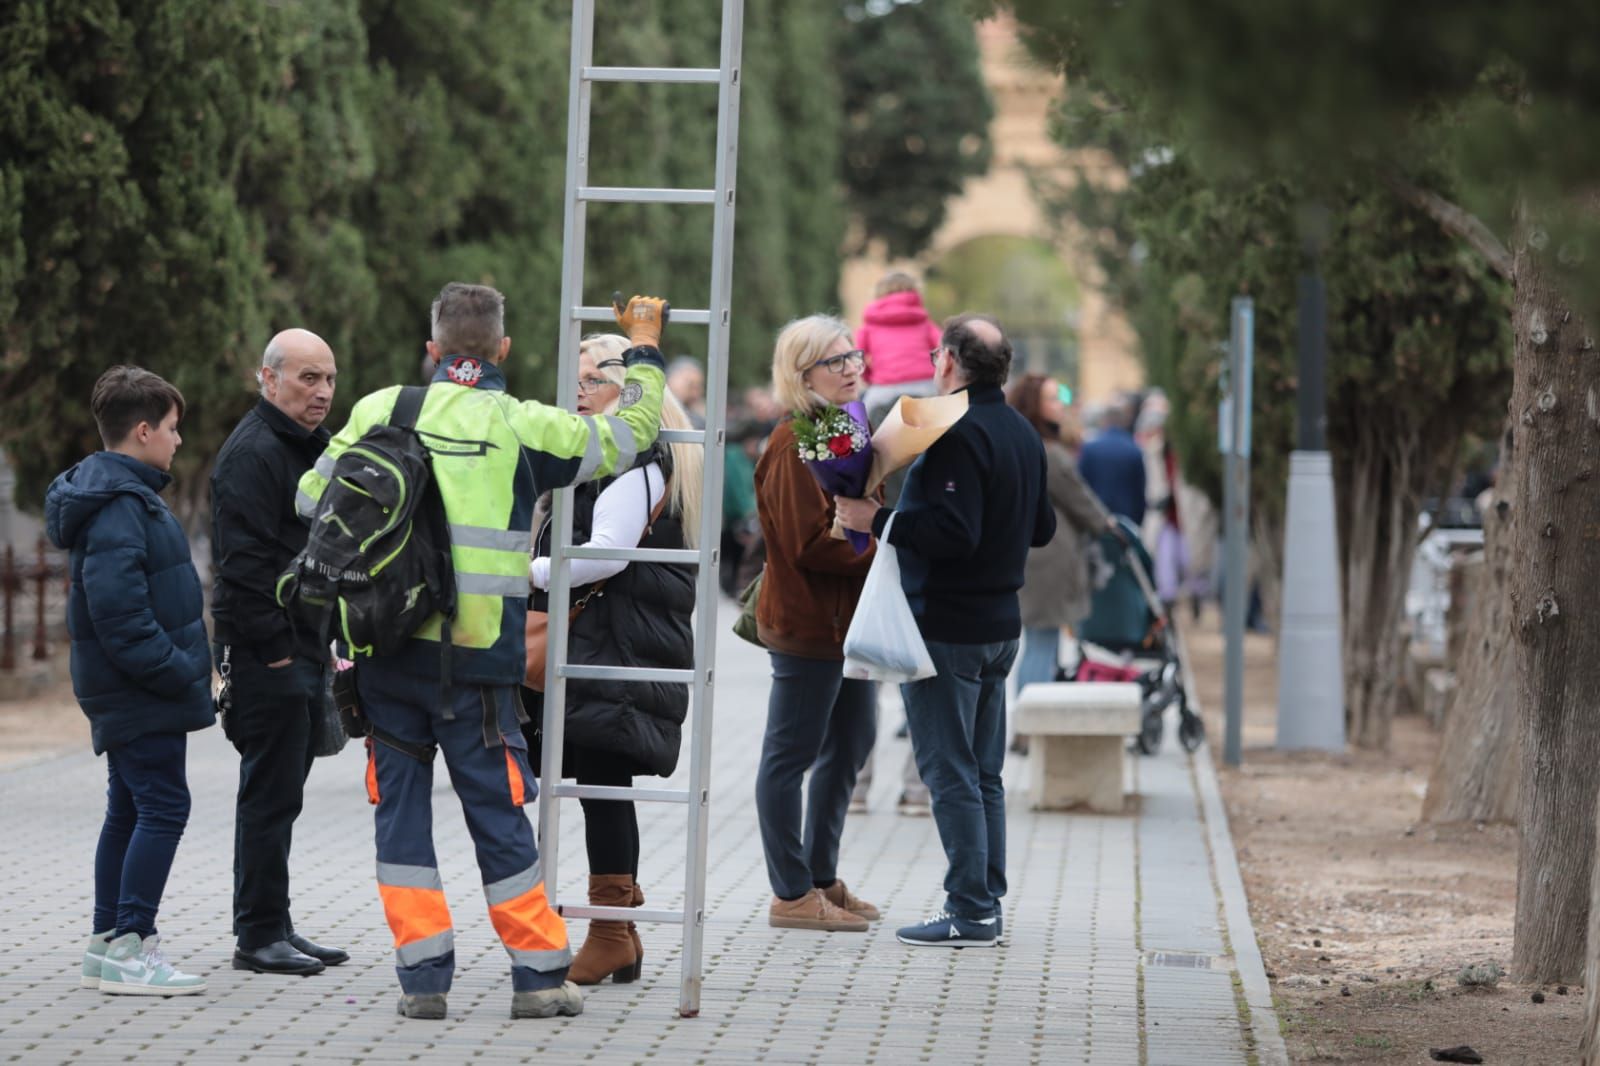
<point>140,659</point>
<point>972,506</point>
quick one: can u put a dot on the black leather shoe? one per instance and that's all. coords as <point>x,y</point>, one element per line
<point>280,957</point>
<point>330,956</point>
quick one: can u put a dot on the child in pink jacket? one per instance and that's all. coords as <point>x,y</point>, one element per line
<point>896,334</point>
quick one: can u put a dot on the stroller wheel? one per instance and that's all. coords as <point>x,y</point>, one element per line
<point>1150,730</point>
<point>1191,730</point>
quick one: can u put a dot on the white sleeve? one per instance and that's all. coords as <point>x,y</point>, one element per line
<point>620,517</point>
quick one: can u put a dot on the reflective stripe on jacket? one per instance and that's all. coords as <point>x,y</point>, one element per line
<point>493,456</point>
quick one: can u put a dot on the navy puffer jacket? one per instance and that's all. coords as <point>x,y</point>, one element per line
<point>140,659</point>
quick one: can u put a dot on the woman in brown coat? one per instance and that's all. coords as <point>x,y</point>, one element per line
<point>816,719</point>
<point>1055,589</point>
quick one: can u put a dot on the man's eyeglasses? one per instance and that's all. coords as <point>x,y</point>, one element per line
<point>590,386</point>
<point>836,364</point>
<point>933,354</point>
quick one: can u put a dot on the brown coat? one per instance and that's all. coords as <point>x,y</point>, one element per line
<point>812,581</point>
<point>1055,582</point>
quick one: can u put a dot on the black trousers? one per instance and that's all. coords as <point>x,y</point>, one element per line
<point>610,827</point>
<point>270,727</point>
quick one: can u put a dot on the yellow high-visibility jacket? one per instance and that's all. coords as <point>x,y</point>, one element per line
<point>493,456</point>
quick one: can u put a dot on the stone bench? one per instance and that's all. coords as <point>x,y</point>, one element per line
<point>1078,733</point>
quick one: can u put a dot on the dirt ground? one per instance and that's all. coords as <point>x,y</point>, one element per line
<point>1365,917</point>
<point>41,726</point>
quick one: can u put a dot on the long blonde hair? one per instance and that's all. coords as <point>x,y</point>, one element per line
<point>799,346</point>
<point>686,486</point>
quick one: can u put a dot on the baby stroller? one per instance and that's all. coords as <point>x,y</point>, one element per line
<point>1128,637</point>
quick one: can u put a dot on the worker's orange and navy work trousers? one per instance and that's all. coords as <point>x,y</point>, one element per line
<point>487,757</point>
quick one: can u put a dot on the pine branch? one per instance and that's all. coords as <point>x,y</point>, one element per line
<point>1458,221</point>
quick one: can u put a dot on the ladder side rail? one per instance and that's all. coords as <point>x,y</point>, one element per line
<point>560,592</point>
<point>706,592</point>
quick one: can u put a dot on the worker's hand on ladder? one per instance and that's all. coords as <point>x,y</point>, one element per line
<point>642,319</point>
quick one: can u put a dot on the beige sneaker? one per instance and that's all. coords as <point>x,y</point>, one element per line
<point>813,911</point>
<point>840,896</point>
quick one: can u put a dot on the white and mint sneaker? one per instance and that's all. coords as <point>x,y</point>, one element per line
<point>945,930</point>
<point>134,967</point>
<point>92,955</point>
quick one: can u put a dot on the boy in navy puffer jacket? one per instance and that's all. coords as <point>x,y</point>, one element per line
<point>141,667</point>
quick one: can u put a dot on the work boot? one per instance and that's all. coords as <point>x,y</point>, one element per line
<point>637,900</point>
<point>426,1006</point>
<point>94,953</point>
<point>608,949</point>
<point>813,911</point>
<point>135,967</point>
<point>562,1001</point>
<point>840,896</point>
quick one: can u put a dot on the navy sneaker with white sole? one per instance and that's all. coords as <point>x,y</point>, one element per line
<point>945,930</point>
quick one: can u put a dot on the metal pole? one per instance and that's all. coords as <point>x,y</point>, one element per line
<point>560,592</point>
<point>1310,673</point>
<point>706,588</point>
<point>1236,522</point>
<point>8,588</point>
<point>41,641</point>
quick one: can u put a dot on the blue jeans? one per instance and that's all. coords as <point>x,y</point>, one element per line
<point>958,731</point>
<point>1041,650</point>
<point>147,808</point>
<point>817,721</point>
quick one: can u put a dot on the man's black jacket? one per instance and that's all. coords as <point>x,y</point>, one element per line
<point>255,532</point>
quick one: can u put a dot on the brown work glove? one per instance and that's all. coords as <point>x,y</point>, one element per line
<point>643,319</point>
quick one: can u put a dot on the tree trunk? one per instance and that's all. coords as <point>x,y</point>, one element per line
<point>1380,478</point>
<point>1589,1048</point>
<point>1475,776</point>
<point>1553,608</point>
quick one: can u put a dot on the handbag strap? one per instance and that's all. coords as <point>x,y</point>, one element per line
<point>649,527</point>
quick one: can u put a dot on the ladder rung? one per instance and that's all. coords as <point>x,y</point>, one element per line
<point>685,436</point>
<point>679,75</point>
<point>617,792</point>
<point>609,195</point>
<point>617,914</point>
<point>700,317</point>
<point>683,556</point>
<point>626,673</point>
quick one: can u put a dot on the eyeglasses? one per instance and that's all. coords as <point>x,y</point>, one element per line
<point>933,354</point>
<point>836,364</point>
<point>590,386</point>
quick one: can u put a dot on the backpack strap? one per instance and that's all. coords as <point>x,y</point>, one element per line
<point>408,406</point>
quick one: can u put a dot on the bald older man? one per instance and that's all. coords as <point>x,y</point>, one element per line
<point>277,673</point>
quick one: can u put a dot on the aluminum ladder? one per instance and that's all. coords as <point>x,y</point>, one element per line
<point>579,194</point>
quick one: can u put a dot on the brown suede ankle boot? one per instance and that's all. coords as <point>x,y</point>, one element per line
<point>633,931</point>
<point>608,949</point>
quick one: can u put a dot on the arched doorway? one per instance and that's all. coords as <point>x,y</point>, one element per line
<point>1023,282</point>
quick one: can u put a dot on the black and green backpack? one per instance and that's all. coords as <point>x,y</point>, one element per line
<point>377,563</point>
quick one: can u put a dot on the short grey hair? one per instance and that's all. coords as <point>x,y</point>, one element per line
<point>271,359</point>
<point>469,320</point>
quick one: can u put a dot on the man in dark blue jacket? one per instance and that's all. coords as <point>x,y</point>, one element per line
<point>140,667</point>
<point>1112,463</point>
<point>971,508</point>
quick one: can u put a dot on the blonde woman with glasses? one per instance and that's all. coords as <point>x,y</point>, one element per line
<point>816,719</point>
<point>640,616</point>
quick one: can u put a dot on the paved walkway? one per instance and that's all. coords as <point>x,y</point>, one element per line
<point>1122,933</point>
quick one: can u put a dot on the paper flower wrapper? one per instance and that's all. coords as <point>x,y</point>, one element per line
<point>909,429</point>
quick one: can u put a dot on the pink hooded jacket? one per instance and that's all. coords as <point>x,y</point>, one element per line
<point>897,334</point>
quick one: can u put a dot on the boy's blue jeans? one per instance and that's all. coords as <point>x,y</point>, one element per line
<point>958,731</point>
<point>147,808</point>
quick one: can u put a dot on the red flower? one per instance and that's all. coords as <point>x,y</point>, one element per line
<point>840,445</point>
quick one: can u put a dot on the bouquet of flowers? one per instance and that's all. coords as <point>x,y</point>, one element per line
<point>836,444</point>
<point>909,429</point>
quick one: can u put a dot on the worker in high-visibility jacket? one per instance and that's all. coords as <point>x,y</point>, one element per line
<point>493,457</point>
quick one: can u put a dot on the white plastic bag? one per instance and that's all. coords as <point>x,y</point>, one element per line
<point>884,643</point>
